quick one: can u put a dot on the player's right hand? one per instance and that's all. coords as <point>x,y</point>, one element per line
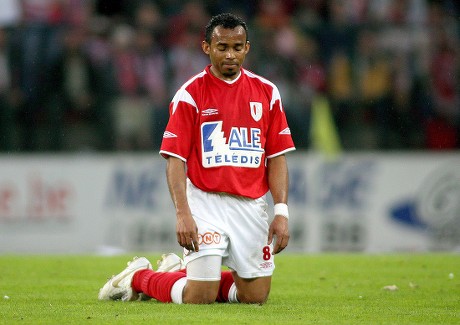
<point>187,232</point>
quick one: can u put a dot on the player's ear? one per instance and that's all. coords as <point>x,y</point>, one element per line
<point>206,47</point>
<point>247,46</point>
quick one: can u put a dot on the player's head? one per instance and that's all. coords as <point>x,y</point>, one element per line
<point>226,43</point>
<point>225,20</point>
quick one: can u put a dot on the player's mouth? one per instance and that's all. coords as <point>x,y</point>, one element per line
<point>230,65</point>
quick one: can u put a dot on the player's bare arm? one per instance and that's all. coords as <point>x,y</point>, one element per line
<point>278,181</point>
<point>186,229</point>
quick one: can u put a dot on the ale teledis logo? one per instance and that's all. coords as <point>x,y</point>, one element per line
<point>242,148</point>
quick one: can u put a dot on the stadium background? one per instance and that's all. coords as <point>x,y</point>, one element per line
<point>371,90</point>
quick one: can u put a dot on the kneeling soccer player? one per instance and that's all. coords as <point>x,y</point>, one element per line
<point>225,145</point>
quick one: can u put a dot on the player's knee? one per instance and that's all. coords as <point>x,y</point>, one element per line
<point>252,291</point>
<point>199,298</point>
<point>200,292</point>
<point>253,297</point>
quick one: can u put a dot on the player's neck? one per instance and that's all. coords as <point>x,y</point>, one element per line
<point>226,79</point>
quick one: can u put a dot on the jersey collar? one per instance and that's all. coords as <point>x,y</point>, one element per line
<point>232,82</point>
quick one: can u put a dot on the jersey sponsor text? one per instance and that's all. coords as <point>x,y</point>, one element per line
<point>243,148</point>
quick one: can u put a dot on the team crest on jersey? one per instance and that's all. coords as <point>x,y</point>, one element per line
<point>242,147</point>
<point>256,110</point>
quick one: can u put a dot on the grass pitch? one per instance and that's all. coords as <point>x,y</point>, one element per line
<point>307,289</point>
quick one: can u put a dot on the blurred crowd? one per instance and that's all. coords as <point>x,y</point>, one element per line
<point>98,75</point>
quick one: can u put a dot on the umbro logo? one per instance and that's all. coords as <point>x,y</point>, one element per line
<point>168,134</point>
<point>286,131</point>
<point>210,111</point>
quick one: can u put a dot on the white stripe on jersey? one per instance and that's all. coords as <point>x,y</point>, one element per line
<point>275,95</point>
<point>183,95</point>
<point>281,153</point>
<point>167,153</point>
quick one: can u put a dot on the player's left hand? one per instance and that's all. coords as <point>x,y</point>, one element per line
<point>279,228</point>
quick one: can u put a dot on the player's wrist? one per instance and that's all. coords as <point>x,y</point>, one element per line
<point>281,209</point>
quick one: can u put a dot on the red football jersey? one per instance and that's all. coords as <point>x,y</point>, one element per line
<point>225,132</point>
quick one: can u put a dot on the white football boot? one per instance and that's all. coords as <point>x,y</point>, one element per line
<point>119,286</point>
<point>170,263</point>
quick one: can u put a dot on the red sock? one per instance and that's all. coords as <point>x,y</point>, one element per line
<point>226,282</point>
<point>157,285</point>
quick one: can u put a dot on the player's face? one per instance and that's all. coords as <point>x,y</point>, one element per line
<point>227,51</point>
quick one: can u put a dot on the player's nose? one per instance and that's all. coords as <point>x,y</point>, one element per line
<point>230,54</point>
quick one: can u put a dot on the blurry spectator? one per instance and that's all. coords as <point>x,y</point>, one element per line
<point>185,56</point>
<point>10,12</point>
<point>99,51</point>
<point>72,104</point>
<point>7,96</point>
<point>78,13</point>
<point>443,124</point>
<point>147,16</point>
<point>310,81</point>
<point>378,11</point>
<point>441,88</point>
<point>272,14</point>
<point>189,21</point>
<point>153,82</point>
<point>339,34</point>
<point>38,45</point>
<point>341,92</point>
<point>98,41</point>
<point>374,84</point>
<point>139,67</point>
<point>357,11</point>
<point>131,112</point>
<point>309,14</point>
<point>407,124</point>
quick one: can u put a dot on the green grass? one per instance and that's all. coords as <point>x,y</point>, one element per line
<point>307,289</point>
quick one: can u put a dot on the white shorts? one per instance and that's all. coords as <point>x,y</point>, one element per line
<point>233,227</point>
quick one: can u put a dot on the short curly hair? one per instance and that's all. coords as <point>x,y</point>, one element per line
<point>226,20</point>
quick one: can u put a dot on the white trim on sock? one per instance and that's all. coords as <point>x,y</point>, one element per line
<point>177,289</point>
<point>232,294</point>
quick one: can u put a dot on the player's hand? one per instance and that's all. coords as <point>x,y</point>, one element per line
<point>187,232</point>
<point>279,228</point>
